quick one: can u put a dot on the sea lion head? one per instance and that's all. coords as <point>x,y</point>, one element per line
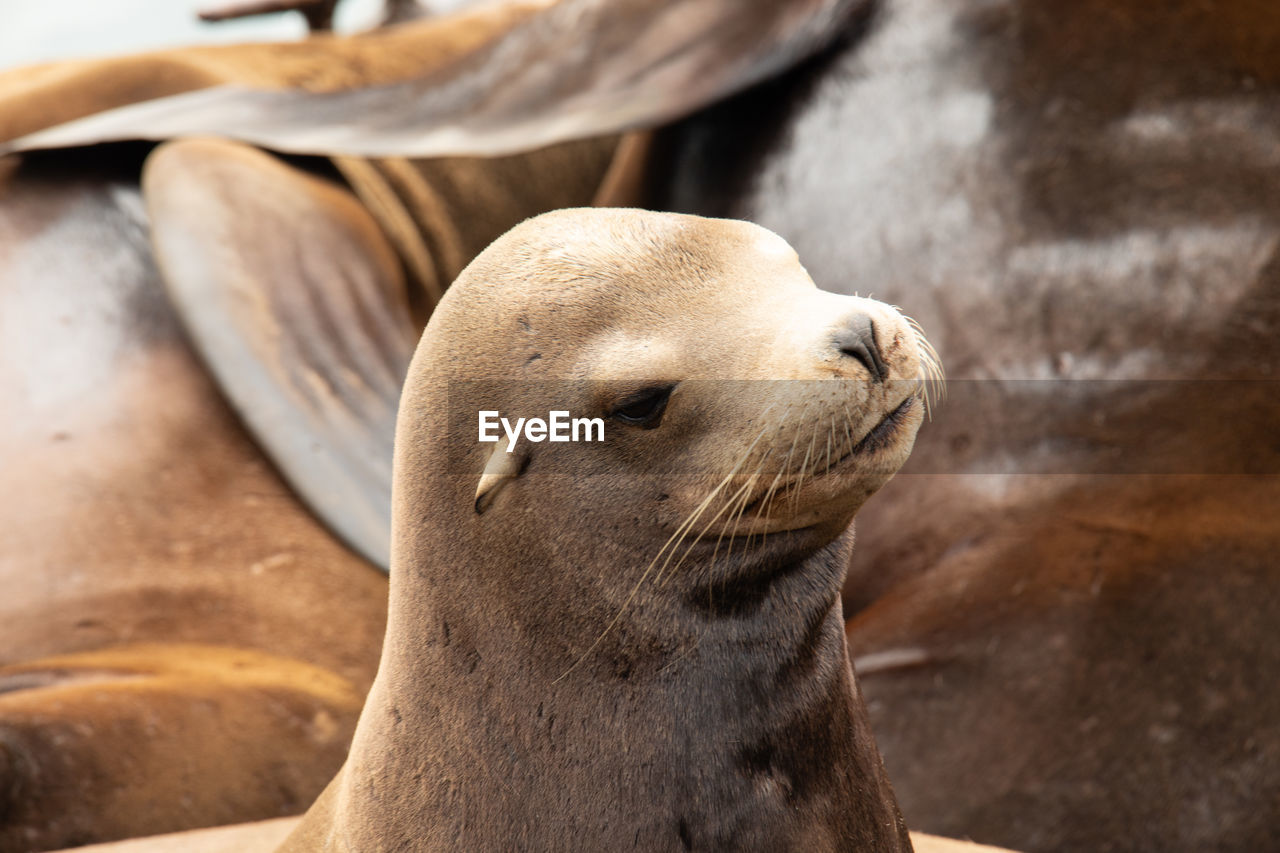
<point>746,414</point>
<point>639,636</point>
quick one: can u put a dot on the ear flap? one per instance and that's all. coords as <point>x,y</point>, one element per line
<point>507,77</point>
<point>297,304</point>
<point>503,466</point>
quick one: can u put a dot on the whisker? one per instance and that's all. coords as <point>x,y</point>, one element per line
<point>933,382</point>
<point>785,470</point>
<point>746,501</point>
<point>689,521</point>
<point>658,580</point>
<point>676,537</point>
<point>830,434</point>
<point>804,470</point>
<point>743,495</point>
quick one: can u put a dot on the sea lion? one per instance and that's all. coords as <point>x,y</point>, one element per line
<point>136,510</point>
<point>637,638</point>
<point>444,86</point>
<point>298,256</point>
<point>228,227</point>
<point>79,761</point>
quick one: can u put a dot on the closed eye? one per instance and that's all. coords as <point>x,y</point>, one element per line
<point>643,408</point>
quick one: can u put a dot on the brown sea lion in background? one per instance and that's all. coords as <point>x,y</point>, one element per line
<point>314,365</point>
<point>500,78</point>
<point>137,510</point>
<point>111,742</point>
<point>1065,609</point>
<point>141,521</point>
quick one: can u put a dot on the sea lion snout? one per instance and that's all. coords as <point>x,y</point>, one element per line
<point>855,338</point>
<point>884,345</point>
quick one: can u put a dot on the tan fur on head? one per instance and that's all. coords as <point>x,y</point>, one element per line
<point>707,305</point>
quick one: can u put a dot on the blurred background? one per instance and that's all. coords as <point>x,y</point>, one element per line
<point>39,32</point>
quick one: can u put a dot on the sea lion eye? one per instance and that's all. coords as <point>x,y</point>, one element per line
<point>643,408</point>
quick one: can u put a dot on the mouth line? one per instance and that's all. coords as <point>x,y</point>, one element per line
<point>877,438</point>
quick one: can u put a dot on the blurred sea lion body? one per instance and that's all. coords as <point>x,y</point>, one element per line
<point>140,517</point>
<point>1076,199</point>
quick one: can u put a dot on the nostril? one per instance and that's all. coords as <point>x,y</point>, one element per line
<point>857,340</point>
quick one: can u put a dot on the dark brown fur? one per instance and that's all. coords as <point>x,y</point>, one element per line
<point>1077,589</point>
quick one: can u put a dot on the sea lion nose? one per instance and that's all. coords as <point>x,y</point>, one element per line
<point>857,340</point>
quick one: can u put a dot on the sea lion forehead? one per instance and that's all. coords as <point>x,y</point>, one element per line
<point>602,256</point>
<point>642,232</point>
<point>558,285</point>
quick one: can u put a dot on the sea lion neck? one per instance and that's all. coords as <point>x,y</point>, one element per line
<point>742,741</point>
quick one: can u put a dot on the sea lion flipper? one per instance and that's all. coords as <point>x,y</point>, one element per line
<point>297,303</point>
<point>501,79</point>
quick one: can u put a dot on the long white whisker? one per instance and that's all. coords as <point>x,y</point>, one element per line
<point>676,537</point>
